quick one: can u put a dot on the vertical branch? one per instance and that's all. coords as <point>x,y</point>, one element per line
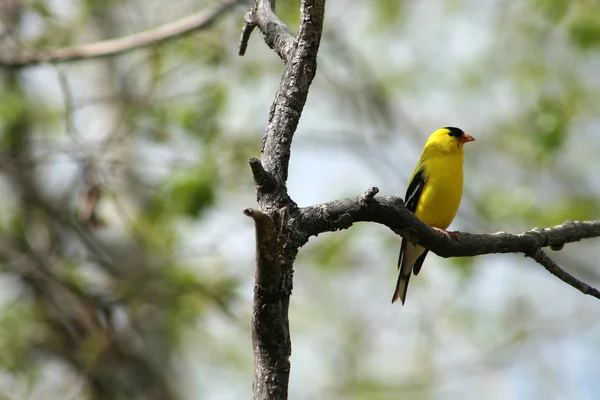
<point>300,69</point>
<point>270,326</point>
<point>275,250</point>
<point>292,93</point>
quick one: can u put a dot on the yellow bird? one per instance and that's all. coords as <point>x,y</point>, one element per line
<point>433,195</point>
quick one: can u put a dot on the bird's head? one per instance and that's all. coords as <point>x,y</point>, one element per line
<point>448,140</point>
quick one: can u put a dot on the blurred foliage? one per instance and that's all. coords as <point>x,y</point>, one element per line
<point>188,195</point>
<point>13,108</point>
<point>586,32</point>
<point>389,12</point>
<point>18,327</point>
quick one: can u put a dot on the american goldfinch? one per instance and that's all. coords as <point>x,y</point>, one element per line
<point>433,195</point>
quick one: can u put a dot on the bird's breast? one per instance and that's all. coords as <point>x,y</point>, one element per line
<point>441,195</point>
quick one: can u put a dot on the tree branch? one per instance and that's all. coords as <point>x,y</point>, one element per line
<point>293,89</point>
<point>277,35</point>
<point>270,325</point>
<point>262,179</point>
<point>542,258</point>
<point>275,249</point>
<point>171,30</point>
<point>391,212</point>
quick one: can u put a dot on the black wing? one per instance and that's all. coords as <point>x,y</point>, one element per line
<point>415,188</point>
<point>413,194</point>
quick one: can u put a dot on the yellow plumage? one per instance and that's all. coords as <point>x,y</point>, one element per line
<point>434,195</point>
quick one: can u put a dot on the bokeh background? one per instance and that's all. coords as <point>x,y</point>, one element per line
<point>150,295</point>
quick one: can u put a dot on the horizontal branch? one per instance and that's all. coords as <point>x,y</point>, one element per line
<point>391,212</point>
<point>171,30</point>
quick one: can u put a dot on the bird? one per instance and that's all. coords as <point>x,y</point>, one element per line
<point>433,195</point>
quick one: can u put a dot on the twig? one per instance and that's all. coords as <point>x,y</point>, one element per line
<point>261,177</point>
<point>247,30</point>
<point>171,30</point>
<point>68,102</point>
<point>277,35</point>
<point>367,196</point>
<point>542,258</point>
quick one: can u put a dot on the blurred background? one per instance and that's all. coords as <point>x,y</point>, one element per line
<point>127,264</point>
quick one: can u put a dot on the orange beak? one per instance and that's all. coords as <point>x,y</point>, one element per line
<point>466,138</point>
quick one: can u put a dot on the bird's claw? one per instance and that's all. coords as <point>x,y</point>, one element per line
<point>449,234</point>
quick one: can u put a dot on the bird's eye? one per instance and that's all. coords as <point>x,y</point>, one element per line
<point>454,132</point>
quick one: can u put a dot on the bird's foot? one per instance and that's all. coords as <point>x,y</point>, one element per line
<point>449,234</point>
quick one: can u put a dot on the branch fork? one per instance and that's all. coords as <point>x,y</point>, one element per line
<point>276,34</point>
<point>276,244</point>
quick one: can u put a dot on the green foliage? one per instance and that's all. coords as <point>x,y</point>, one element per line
<point>213,51</point>
<point>184,300</point>
<point>41,7</point>
<point>13,108</point>
<point>554,10</point>
<point>463,265</point>
<point>538,135</point>
<point>333,253</point>
<point>581,18</point>
<point>206,51</point>
<point>509,206</point>
<point>191,195</point>
<point>15,225</point>
<point>92,6</point>
<point>156,63</point>
<point>203,119</point>
<point>388,13</point>
<point>187,195</point>
<point>520,207</point>
<point>17,330</point>
<point>574,208</point>
<point>372,388</point>
<point>187,295</point>
<point>154,122</point>
<point>550,121</point>
<point>289,12</point>
<point>585,32</point>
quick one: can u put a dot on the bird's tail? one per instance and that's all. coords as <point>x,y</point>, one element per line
<point>401,287</point>
<point>410,255</point>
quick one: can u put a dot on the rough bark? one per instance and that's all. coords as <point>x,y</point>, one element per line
<point>275,249</point>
